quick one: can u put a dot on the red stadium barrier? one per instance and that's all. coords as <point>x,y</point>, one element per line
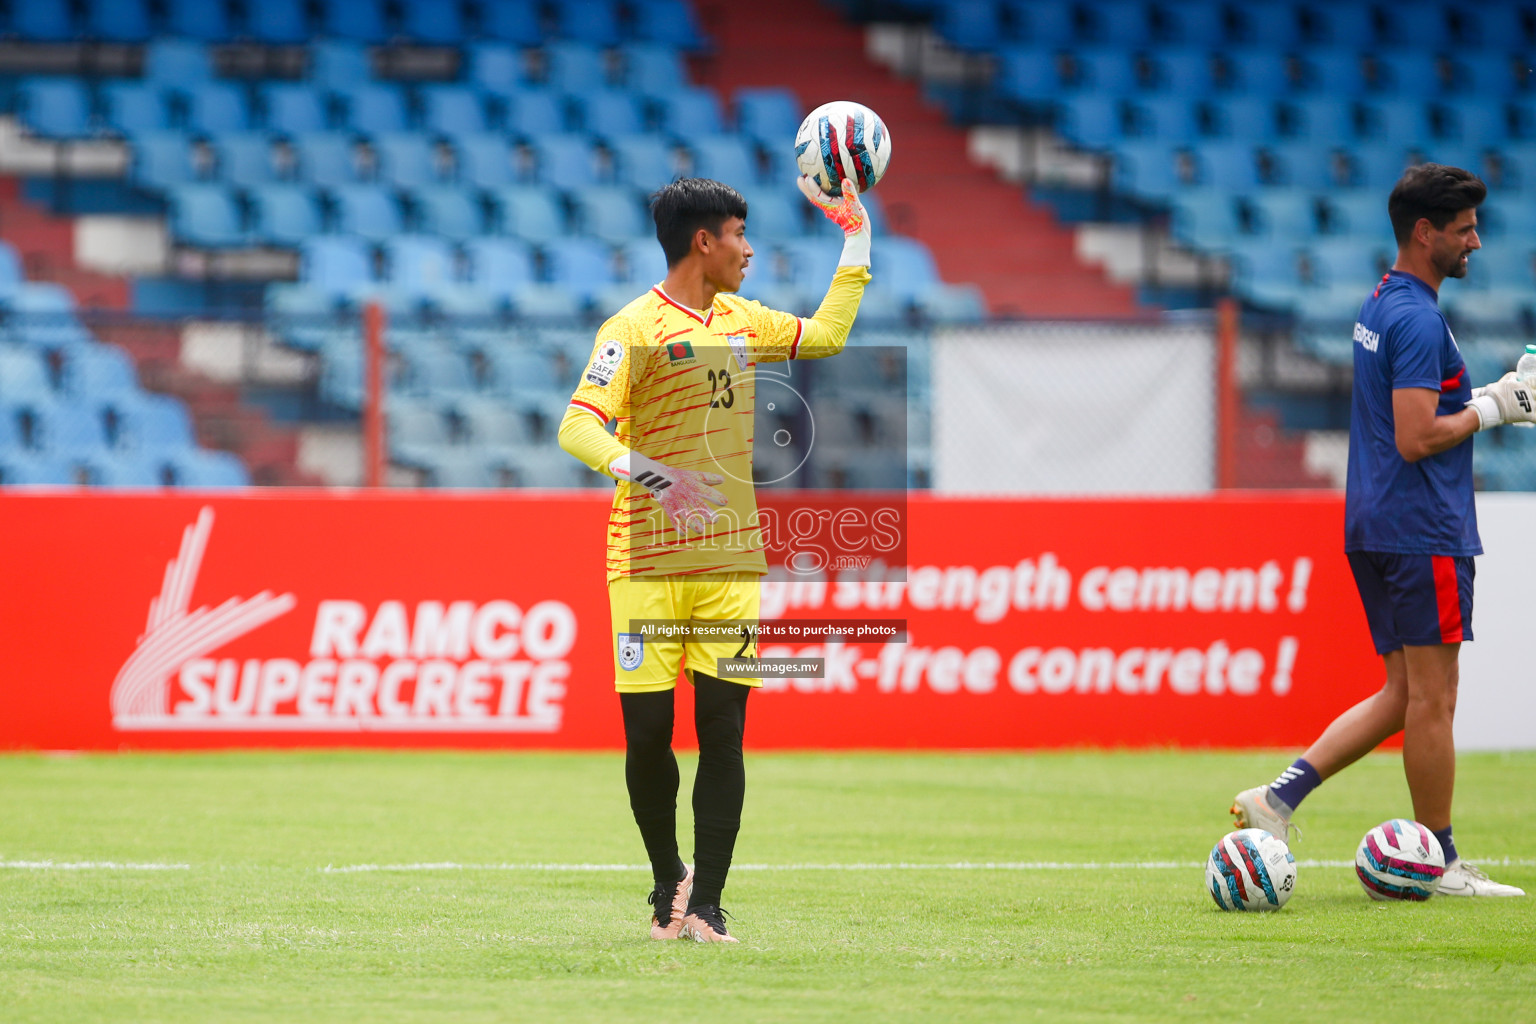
<point>295,618</point>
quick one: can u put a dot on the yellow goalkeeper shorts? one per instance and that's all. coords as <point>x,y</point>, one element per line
<point>642,663</point>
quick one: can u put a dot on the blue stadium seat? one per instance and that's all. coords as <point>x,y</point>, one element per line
<point>438,371</point>
<point>1415,24</point>
<point>202,469</point>
<point>217,108</point>
<point>129,470</point>
<point>1206,220</point>
<point>206,215</point>
<point>326,159</point>
<point>453,110</point>
<point>535,112</point>
<point>1107,71</point>
<point>375,108</point>
<point>448,212</point>
<point>1267,273</point>
<point>338,63</point>
<point>643,161</point>
<point>177,63</point>
<point>198,19</point>
<point>1232,166</point>
<point>574,67</point>
<point>416,422</point>
<point>11,274</point>
<point>1315,166</point>
<point>23,375</point>
<point>1250,118</point>
<point>727,158</point>
<point>1193,23</point>
<point>1031,75</point>
<point>1406,73</point>
<point>406,159</point>
<point>691,112</point>
<point>1399,120</point>
<point>162,160</point>
<point>529,212</point>
<point>1378,165</point>
<point>357,20</point>
<point>641,263</point>
<point>118,21</point>
<point>494,68</point>
<point>1350,262</point>
<point>1285,214</point>
<point>772,215</point>
<point>1476,122</point>
<point>566,161</point>
<point>1042,25</point>
<point>245,159</point>
<point>418,264</point>
<point>1154,170</point>
<point>970,24</point>
<point>1335,73</point>
<point>336,265</point>
<point>1097,121</point>
<point>1258,72</point>
<point>280,22</point>
<point>43,315</point>
<point>489,422</point>
<point>909,267</point>
<point>1123,24</point>
<point>44,22</point>
<point>24,469</point>
<point>511,21</point>
<point>1503,25</point>
<point>72,430</point>
<point>1321,119</point>
<point>485,161</point>
<point>610,212</point>
<point>541,301</point>
<point>520,369</point>
<point>499,265</point>
<point>432,22</point>
<point>135,108</point>
<point>1187,72</point>
<point>300,314</point>
<point>284,214</point>
<point>292,108</point>
<point>811,262</point>
<point>583,266</point>
<point>667,21</point>
<point>1169,118</point>
<point>151,423</point>
<point>1343,24</point>
<point>588,21</point>
<point>99,372</point>
<point>1275,25</point>
<point>367,211</point>
<point>1492,76</point>
<point>1359,213</point>
<point>768,116</point>
<point>608,113</point>
<point>57,108</point>
<point>652,69</point>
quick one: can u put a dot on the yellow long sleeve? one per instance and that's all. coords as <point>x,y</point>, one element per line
<point>826,332</point>
<point>584,437</point>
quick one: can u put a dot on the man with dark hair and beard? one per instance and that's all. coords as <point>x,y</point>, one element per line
<point>1410,524</point>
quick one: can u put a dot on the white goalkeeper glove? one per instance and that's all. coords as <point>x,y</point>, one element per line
<point>847,213</point>
<point>683,494</point>
<point>1506,400</point>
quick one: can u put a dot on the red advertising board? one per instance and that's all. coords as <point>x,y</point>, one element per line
<point>294,618</point>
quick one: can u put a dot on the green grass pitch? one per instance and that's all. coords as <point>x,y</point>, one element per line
<point>249,925</point>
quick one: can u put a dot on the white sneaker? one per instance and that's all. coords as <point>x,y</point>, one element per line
<point>1463,879</point>
<point>1251,809</point>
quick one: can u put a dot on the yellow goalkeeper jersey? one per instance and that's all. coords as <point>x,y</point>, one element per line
<point>681,384</point>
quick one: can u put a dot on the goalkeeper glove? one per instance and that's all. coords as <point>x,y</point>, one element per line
<point>847,213</point>
<point>1506,400</point>
<point>683,494</point>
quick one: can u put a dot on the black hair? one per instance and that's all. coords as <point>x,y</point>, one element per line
<point>1434,192</point>
<point>688,204</point>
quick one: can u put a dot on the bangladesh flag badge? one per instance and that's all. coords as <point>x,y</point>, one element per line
<point>677,351</point>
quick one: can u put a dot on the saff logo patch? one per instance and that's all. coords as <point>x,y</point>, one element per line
<point>605,363</point>
<point>631,651</point>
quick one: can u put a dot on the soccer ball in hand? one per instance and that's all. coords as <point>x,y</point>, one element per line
<point>843,139</point>
<point>1250,869</point>
<point>1400,860</point>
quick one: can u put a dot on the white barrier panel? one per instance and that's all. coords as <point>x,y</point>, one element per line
<point>1074,409</point>
<point>1496,708</point>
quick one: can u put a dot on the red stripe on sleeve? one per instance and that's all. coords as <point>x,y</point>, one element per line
<point>594,410</point>
<point>799,330</point>
<point>1448,598</point>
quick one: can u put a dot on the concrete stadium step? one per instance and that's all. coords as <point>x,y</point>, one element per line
<point>978,228</point>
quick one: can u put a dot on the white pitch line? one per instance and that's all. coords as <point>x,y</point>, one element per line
<point>1178,865</point>
<point>88,865</point>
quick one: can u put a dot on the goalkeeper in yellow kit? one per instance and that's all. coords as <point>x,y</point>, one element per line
<point>675,368</point>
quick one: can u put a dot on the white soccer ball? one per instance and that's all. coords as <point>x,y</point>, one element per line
<point>843,139</point>
<point>1250,869</point>
<point>1400,860</point>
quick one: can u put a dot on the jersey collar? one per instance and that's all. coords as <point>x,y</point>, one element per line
<point>1414,279</point>
<point>704,318</point>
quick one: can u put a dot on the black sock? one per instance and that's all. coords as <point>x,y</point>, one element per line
<point>720,716</point>
<point>650,772</point>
